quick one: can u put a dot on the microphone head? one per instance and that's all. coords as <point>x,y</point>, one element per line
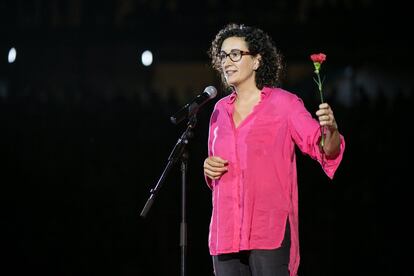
<point>211,91</point>
<point>192,108</point>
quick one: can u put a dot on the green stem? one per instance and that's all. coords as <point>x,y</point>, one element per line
<point>320,87</point>
<point>322,143</point>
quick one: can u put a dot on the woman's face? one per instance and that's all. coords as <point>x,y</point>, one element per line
<point>240,70</point>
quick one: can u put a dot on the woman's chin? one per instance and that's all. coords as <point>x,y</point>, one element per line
<point>231,82</point>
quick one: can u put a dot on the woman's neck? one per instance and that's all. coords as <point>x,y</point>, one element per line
<point>247,94</point>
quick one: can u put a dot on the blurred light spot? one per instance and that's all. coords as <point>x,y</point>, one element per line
<point>12,55</point>
<point>146,58</point>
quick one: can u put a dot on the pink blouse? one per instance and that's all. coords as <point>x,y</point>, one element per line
<point>254,198</point>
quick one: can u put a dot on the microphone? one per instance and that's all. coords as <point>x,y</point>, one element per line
<point>192,107</point>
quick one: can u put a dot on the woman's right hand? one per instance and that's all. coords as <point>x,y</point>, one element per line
<point>215,167</point>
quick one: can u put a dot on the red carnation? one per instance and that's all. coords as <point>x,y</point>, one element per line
<point>319,58</point>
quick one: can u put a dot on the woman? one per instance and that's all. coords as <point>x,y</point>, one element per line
<point>251,167</point>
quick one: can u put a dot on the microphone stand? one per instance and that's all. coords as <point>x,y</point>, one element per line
<point>179,152</point>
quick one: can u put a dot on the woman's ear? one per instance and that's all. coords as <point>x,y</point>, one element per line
<point>257,61</point>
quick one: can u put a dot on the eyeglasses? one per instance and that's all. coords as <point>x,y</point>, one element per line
<point>234,55</point>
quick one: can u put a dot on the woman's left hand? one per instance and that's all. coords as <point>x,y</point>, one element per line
<point>326,117</point>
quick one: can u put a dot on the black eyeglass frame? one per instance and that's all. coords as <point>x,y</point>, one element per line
<point>239,53</point>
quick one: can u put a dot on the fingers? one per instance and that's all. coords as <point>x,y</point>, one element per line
<point>324,109</point>
<point>326,116</point>
<point>216,161</point>
<point>213,174</point>
<point>215,167</point>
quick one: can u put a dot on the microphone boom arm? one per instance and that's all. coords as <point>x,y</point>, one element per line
<point>175,155</point>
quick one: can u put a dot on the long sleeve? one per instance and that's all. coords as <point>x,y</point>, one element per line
<point>305,131</point>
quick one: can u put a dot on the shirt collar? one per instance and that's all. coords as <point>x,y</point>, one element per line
<point>232,97</point>
<point>264,93</point>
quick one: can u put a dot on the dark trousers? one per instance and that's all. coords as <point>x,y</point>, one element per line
<point>258,262</point>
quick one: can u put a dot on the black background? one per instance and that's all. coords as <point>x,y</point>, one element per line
<point>84,135</point>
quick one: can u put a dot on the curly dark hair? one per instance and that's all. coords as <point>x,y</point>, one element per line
<point>271,70</point>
